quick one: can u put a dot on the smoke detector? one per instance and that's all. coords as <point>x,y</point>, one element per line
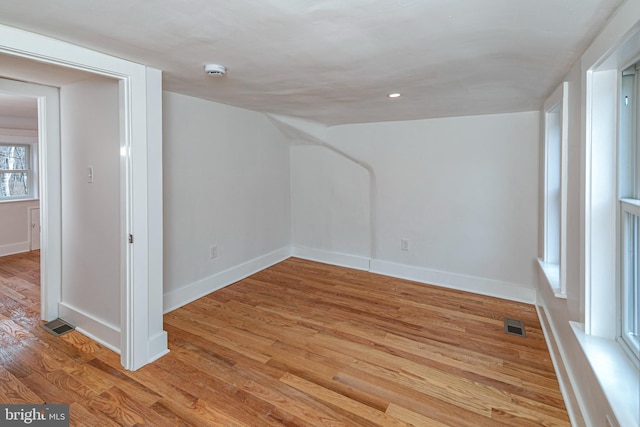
<point>215,69</point>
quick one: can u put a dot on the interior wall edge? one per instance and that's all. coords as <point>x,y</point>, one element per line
<point>478,285</point>
<point>451,280</point>
<point>92,327</point>
<point>334,258</point>
<point>15,248</point>
<point>460,282</point>
<point>191,292</point>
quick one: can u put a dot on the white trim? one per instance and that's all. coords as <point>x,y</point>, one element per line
<point>14,248</point>
<point>158,346</point>
<point>573,401</point>
<point>333,258</point>
<point>619,379</point>
<point>36,199</point>
<point>600,193</point>
<point>551,276</point>
<point>99,331</point>
<point>179,297</point>
<point>135,128</point>
<point>474,284</point>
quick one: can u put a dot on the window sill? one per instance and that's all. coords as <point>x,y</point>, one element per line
<point>616,373</point>
<point>18,200</point>
<point>551,273</point>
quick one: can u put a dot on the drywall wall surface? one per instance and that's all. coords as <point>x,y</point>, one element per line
<point>14,233</point>
<point>90,137</point>
<point>462,191</point>
<point>335,213</point>
<point>226,185</point>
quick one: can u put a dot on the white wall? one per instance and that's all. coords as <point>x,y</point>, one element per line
<point>584,390</point>
<point>15,234</point>
<point>331,202</point>
<point>462,190</point>
<point>226,183</point>
<point>91,264</point>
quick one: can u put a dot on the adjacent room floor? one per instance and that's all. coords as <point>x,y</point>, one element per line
<point>298,344</point>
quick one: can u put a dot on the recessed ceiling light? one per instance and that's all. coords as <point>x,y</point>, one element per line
<point>394,95</point>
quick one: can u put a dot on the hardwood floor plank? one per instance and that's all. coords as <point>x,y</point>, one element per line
<point>335,399</point>
<point>126,410</point>
<point>430,407</point>
<point>15,391</point>
<point>411,417</point>
<point>297,344</point>
<point>80,416</point>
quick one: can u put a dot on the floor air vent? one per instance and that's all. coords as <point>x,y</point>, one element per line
<point>57,327</point>
<point>514,327</point>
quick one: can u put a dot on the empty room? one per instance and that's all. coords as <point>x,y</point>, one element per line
<point>356,213</point>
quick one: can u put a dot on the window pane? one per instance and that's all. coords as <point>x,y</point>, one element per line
<point>553,184</point>
<point>14,184</point>
<point>631,265</point>
<point>14,157</point>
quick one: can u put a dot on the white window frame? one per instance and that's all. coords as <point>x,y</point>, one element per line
<point>555,156</point>
<point>629,207</point>
<point>604,243</point>
<point>22,138</point>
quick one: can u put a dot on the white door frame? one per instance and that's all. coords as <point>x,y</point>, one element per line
<point>49,189</point>
<point>141,188</point>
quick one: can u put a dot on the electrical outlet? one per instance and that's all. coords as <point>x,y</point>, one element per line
<point>404,244</point>
<point>213,252</point>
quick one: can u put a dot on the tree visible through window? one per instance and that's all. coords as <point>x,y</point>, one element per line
<point>15,171</point>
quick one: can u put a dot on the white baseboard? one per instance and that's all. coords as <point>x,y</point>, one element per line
<point>477,285</point>
<point>572,401</point>
<point>495,288</point>
<point>461,282</point>
<point>15,248</point>
<point>192,292</point>
<point>157,346</point>
<point>97,330</point>
<point>333,258</point>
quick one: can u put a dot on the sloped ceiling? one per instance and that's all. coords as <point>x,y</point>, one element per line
<point>334,61</point>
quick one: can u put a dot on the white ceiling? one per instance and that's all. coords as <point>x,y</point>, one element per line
<point>334,61</point>
<point>18,106</point>
<point>16,68</point>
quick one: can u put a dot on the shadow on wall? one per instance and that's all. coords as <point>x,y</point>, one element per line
<point>303,132</point>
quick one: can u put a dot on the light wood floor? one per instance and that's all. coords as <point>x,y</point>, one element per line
<point>298,344</point>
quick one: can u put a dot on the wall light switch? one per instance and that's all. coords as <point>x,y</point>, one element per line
<point>213,252</point>
<point>90,174</point>
<point>404,244</point>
